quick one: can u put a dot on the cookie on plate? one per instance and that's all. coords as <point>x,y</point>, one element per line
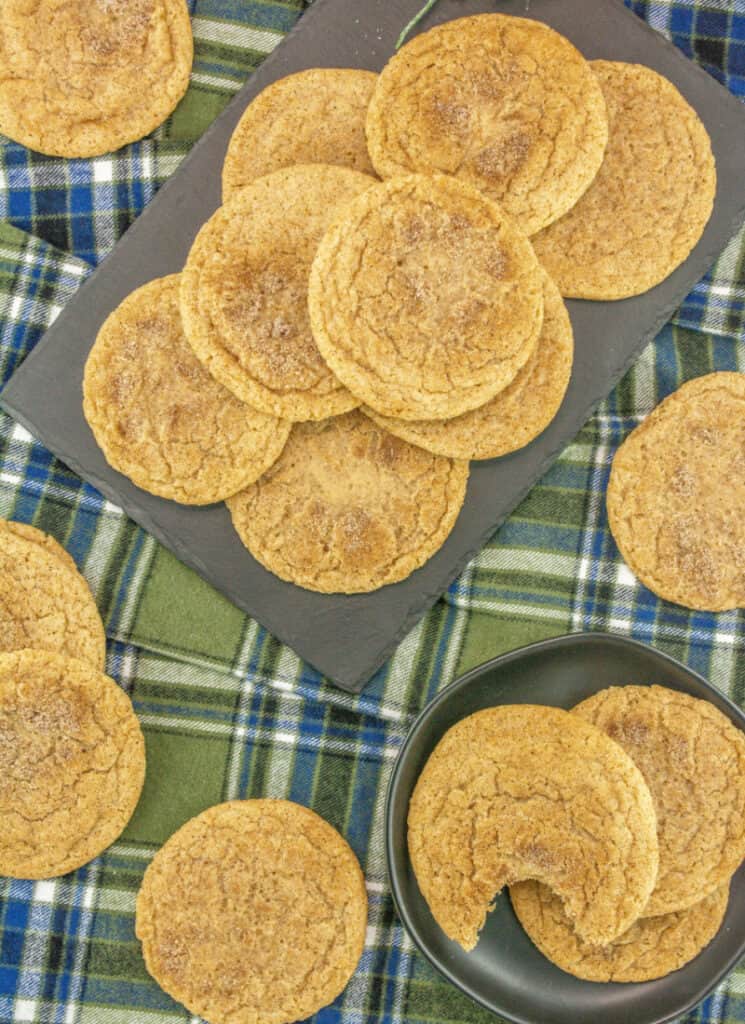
<point>254,910</point>
<point>651,200</point>
<point>651,948</point>
<point>160,417</point>
<point>506,104</point>
<point>425,299</point>
<point>693,760</point>
<point>519,413</point>
<point>80,79</point>
<point>244,291</point>
<point>72,763</point>
<point>677,491</point>
<point>315,116</point>
<point>348,508</point>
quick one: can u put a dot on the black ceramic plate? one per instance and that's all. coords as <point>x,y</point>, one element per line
<point>506,973</point>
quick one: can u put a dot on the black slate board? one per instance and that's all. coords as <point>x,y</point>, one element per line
<point>347,638</point>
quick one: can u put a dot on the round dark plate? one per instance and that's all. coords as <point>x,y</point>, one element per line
<point>506,973</point>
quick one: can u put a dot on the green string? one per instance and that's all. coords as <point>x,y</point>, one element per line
<point>414,21</point>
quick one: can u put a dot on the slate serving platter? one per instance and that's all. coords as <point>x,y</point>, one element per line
<point>349,637</point>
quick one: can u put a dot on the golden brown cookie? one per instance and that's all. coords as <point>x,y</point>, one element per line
<point>424,299</point>
<point>651,200</point>
<point>315,116</point>
<point>72,763</point>
<point>693,760</point>
<point>253,911</point>
<point>349,508</point>
<point>506,104</point>
<point>45,603</point>
<point>519,413</point>
<point>244,291</point>
<point>84,78</point>
<point>651,948</point>
<point>158,415</point>
<point>522,791</point>
<point>49,544</point>
<point>677,491</point>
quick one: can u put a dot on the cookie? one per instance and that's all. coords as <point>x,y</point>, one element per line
<point>160,417</point>
<point>525,792</point>
<point>244,291</point>
<point>676,494</point>
<point>45,603</point>
<point>315,116</point>
<point>693,760</point>
<point>80,79</point>
<point>72,763</point>
<point>254,910</point>
<point>519,413</point>
<point>348,508</point>
<point>424,299</point>
<point>651,200</point>
<point>506,104</point>
<point>49,544</point>
<point>651,948</point>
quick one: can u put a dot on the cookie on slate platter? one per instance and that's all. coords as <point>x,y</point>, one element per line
<point>160,417</point>
<point>315,116</point>
<point>80,79</point>
<point>348,507</point>
<point>254,910</point>
<point>693,760</point>
<point>519,413</point>
<point>651,200</point>
<point>244,291</point>
<point>424,298</point>
<point>72,763</point>
<point>506,104</point>
<point>526,792</point>
<point>677,491</point>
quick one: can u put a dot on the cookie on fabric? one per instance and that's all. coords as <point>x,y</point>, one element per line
<point>506,104</point>
<point>676,494</point>
<point>35,536</point>
<point>72,763</point>
<point>651,948</point>
<point>45,603</point>
<point>651,200</point>
<point>81,79</point>
<point>522,792</point>
<point>159,416</point>
<point>425,299</point>
<point>316,116</point>
<point>693,760</point>
<point>255,910</point>
<point>519,413</point>
<point>244,291</point>
<point>348,508</point>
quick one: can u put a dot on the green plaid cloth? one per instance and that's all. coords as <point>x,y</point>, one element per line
<point>227,710</point>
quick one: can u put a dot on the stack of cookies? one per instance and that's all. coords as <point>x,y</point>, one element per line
<point>617,827</point>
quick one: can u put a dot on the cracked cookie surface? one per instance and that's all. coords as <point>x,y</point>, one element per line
<point>348,507</point>
<point>693,760</point>
<point>651,948</point>
<point>72,763</point>
<point>315,116</point>
<point>424,299</point>
<point>35,536</point>
<point>525,792</point>
<point>160,417</point>
<point>45,603</point>
<point>80,78</point>
<point>244,291</point>
<point>506,104</point>
<point>676,494</point>
<point>651,200</point>
<point>519,413</point>
<point>254,911</point>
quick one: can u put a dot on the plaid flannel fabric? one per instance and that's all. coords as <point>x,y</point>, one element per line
<point>227,710</point>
